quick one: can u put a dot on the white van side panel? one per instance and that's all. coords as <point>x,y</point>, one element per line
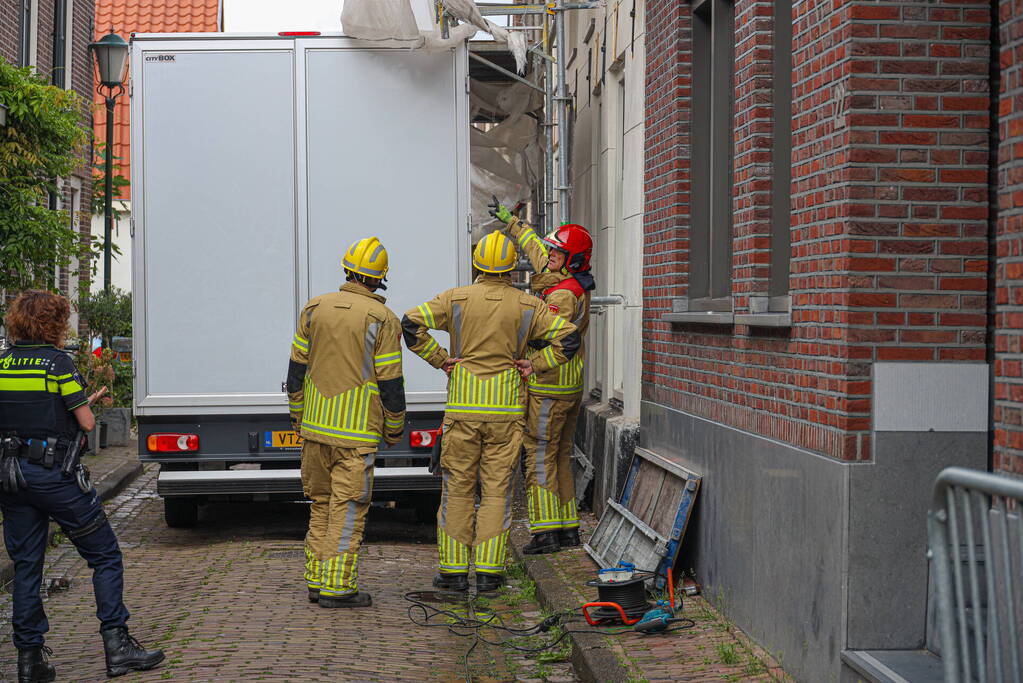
<point>256,161</point>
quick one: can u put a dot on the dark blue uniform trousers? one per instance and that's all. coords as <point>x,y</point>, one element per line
<point>26,515</point>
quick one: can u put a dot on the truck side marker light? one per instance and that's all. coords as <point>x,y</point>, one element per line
<point>172,443</point>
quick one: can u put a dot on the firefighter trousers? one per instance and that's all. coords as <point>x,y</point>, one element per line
<point>550,487</point>
<point>339,482</point>
<point>483,456</point>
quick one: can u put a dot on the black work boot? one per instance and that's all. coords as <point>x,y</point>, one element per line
<point>33,667</point>
<point>451,582</point>
<point>488,582</point>
<point>358,599</point>
<point>544,542</point>
<point>569,538</point>
<point>125,654</point>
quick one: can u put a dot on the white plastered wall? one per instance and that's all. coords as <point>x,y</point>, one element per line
<point>607,180</point>
<point>120,270</point>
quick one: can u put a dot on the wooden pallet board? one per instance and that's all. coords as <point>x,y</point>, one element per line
<point>647,524</point>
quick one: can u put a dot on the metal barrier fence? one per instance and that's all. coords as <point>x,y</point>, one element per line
<point>975,531</point>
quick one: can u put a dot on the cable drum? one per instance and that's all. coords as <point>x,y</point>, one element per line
<point>630,594</point>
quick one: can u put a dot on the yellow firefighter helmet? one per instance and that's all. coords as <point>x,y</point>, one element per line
<point>367,257</point>
<point>495,253</point>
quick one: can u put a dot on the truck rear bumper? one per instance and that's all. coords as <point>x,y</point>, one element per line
<point>233,482</point>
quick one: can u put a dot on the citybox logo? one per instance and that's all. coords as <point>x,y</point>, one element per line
<point>160,58</point>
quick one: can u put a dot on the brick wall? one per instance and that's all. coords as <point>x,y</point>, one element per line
<point>751,247</point>
<point>666,177</point>
<point>1008,409</point>
<point>80,69</point>
<point>889,210</point>
<point>9,14</point>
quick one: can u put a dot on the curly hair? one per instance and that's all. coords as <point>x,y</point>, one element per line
<point>38,316</point>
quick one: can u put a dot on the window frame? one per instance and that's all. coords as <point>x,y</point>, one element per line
<point>781,151</point>
<point>712,151</point>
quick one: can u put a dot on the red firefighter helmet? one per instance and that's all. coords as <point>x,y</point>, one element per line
<point>577,244</point>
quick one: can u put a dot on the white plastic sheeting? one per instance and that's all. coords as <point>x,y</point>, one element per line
<point>380,20</point>
<point>504,162</point>
<point>395,20</point>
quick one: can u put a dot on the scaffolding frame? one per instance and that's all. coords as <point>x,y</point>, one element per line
<point>555,195</point>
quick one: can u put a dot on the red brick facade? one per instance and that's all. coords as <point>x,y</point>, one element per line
<point>80,74</point>
<point>889,220</point>
<point>1008,407</point>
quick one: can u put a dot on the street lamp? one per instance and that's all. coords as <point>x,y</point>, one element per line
<point>111,54</point>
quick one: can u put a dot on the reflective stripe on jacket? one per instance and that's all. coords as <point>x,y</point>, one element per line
<point>567,380</point>
<point>491,324</point>
<point>345,386</point>
<point>39,387</point>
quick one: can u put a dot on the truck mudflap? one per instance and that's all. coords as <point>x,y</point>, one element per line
<point>233,482</point>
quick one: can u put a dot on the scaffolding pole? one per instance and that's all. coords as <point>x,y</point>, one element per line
<point>548,124</point>
<point>562,98</point>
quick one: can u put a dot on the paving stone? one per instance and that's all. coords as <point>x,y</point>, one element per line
<point>226,601</point>
<point>691,655</point>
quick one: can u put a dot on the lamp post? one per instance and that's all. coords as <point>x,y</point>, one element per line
<point>111,54</point>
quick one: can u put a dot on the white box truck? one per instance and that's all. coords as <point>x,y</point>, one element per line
<point>257,160</point>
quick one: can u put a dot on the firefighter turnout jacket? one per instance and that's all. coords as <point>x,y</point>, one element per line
<point>490,323</point>
<point>345,386</point>
<point>564,296</point>
<point>39,387</point>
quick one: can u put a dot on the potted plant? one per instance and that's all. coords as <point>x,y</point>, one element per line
<point>107,315</point>
<point>97,371</point>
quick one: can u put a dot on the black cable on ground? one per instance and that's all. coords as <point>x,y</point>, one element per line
<point>472,623</point>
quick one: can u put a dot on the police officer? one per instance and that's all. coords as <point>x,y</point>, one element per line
<point>562,279</point>
<point>491,324</point>
<point>345,393</point>
<point>43,411</point>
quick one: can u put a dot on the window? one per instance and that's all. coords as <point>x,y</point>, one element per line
<point>58,76</point>
<point>26,33</point>
<point>710,240</point>
<point>616,318</point>
<point>781,161</point>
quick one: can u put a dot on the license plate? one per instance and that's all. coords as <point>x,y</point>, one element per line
<point>283,439</point>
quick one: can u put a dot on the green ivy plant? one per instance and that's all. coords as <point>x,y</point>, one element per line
<point>42,141</point>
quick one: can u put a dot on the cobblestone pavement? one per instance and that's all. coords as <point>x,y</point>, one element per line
<point>227,602</point>
<point>712,649</point>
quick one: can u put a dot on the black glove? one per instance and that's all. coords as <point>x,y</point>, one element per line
<point>435,455</point>
<point>11,478</point>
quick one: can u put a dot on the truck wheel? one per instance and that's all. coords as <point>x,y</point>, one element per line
<point>180,512</point>
<point>425,506</point>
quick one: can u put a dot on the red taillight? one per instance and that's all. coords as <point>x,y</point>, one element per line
<point>423,438</point>
<point>172,443</point>
<point>298,33</point>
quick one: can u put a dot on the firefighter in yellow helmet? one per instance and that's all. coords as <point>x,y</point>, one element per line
<point>490,324</point>
<point>562,279</point>
<point>345,395</point>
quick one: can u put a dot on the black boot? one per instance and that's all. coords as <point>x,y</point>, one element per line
<point>545,542</point>
<point>33,667</point>
<point>488,582</point>
<point>451,582</point>
<point>125,654</point>
<point>357,599</point>
<point>314,594</point>
<point>569,538</point>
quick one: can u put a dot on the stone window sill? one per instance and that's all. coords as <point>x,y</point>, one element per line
<point>704,317</point>
<point>764,319</point>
